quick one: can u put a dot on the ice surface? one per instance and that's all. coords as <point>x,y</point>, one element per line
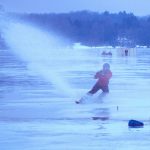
<point>36,115</point>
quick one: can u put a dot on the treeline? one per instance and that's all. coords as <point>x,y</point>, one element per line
<point>96,29</point>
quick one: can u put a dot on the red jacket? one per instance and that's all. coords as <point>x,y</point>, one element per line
<point>103,77</point>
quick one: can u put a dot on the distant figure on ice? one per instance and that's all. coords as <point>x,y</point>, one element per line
<point>110,53</point>
<point>106,53</point>
<point>126,52</point>
<point>103,76</point>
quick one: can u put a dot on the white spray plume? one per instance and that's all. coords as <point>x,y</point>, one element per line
<point>41,51</point>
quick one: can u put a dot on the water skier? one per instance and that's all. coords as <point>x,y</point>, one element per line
<point>103,76</point>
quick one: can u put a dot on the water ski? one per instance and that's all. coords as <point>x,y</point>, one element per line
<point>90,98</point>
<point>79,101</point>
<point>83,99</point>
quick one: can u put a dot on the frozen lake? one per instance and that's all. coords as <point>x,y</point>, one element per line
<point>35,115</point>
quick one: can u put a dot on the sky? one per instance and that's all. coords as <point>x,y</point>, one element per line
<point>137,7</point>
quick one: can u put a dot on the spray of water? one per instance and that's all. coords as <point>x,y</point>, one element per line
<point>43,53</point>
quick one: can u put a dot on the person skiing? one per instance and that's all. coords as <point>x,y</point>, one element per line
<point>103,76</point>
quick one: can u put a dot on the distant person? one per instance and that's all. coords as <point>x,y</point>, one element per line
<point>126,52</point>
<point>107,53</point>
<point>103,76</point>
<point>104,53</point>
<point>110,53</point>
